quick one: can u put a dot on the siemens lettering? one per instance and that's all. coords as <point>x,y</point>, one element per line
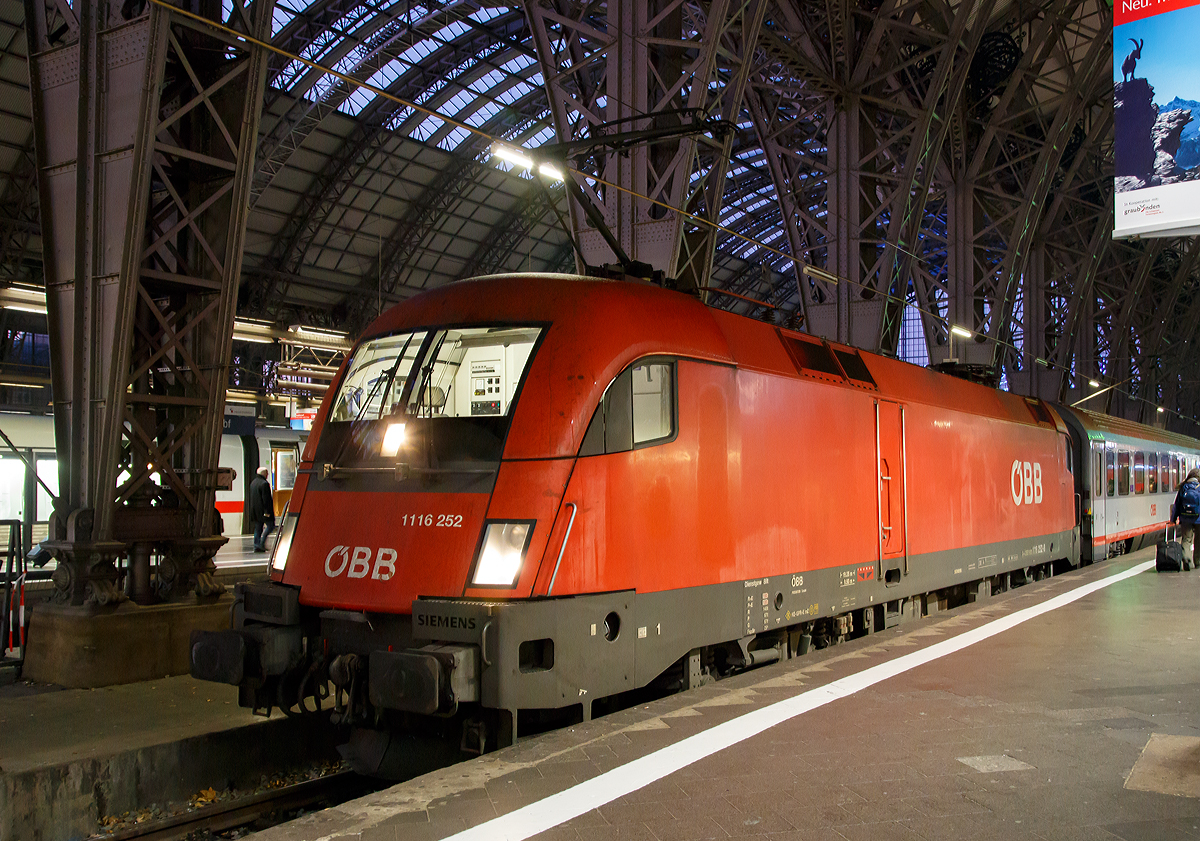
<point>431,620</point>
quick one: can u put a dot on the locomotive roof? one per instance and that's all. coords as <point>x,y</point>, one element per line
<point>1108,426</point>
<point>604,324</point>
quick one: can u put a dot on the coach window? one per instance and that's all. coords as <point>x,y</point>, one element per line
<point>637,410</point>
<point>1123,473</point>
<point>1110,471</point>
<point>1174,471</point>
<point>1139,473</point>
<point>1164,469</point>
<point>1152,473</point>
<point>1098,476</point>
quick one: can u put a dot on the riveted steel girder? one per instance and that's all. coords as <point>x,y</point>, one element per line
<point>628,67</point>
<point>143,204</point>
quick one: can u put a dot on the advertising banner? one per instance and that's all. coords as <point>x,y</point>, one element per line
<point>1156,100</point>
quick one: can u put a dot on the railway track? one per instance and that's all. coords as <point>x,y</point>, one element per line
<point>219,817</point>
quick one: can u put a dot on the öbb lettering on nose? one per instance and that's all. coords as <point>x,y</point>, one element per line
<point>355,562</point>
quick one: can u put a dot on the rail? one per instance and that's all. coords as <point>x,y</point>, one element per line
<point>219,817</point>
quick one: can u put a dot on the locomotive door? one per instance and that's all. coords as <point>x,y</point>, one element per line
<point>891,491</point>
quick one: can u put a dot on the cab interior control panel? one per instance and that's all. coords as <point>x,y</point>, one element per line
<point>485,391</point>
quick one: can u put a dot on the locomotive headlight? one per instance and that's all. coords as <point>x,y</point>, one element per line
<point>503,552</point>
<point>284,544</point>
<point>393,439</point>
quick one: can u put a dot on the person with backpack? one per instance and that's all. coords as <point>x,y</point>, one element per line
<point>1187,510</point>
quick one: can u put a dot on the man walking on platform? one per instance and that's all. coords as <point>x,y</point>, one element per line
<point>1187,510</point>
<point>262,509</point>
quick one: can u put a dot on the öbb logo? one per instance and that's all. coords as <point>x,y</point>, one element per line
<point>1025,480</point>
<point>355,561</point>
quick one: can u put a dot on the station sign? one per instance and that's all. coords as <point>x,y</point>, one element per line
<point>239,419</point>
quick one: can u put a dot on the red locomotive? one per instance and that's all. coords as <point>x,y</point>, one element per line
<point>531,493</point>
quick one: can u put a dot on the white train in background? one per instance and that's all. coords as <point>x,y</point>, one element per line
<point>22,498</point>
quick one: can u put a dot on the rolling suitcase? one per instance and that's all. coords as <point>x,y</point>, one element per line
<point>1169,556</point>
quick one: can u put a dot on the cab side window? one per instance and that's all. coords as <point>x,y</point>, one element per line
<point>637,410</point>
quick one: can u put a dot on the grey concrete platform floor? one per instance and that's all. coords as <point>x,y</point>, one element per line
<point>71,757</point>
<point>1081,723</point>
<point>42,727</point>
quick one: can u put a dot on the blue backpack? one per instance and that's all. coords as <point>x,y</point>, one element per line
<point>1189,501</point>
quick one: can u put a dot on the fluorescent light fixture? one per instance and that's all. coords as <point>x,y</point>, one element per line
<point>551,171</point>
<point>319,331</point>
<point>819,274</point>
<point>1041,362</point>
<point>393,439</point>
<point>507,153</point>
<point>253,330</point>
<point>1093,384</point>
<point>23,299</point>
<point>961,331</point>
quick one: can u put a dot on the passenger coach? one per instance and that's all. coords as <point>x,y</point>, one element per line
<point>1128,482</point>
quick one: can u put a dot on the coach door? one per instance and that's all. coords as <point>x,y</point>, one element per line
<point>891,491</point>
<point>1102,475</point>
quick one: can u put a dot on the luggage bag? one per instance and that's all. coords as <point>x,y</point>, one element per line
<point>1169,555</point>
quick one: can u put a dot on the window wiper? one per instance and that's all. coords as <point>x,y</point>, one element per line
<point>427,374</point>
<point>388,377</point>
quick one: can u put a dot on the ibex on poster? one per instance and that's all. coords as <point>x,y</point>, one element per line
<point>1131,60</point>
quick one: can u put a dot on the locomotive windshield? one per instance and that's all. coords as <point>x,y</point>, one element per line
<point>463,372</point>
<point>429,398</point>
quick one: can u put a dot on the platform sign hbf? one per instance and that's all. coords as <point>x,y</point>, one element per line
<point>239,419</point>
<point>1156,98</point>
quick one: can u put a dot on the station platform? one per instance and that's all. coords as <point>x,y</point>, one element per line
<point>1068,709</point>
<point>69,757</point>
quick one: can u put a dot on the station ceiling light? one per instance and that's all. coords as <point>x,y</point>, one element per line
<point>521,160</point>
<point>513,156</point>
<point>319,338</point>
<point>23,299</point>
<point>253,330</point>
